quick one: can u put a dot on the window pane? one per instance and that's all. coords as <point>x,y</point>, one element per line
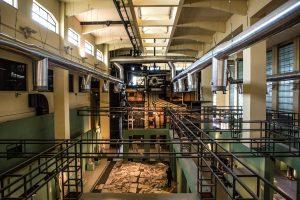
<point>73,37</point>
<point>43,17</point>
<point>89,48</point>
<point>286,58</point>
<point>269,63</point>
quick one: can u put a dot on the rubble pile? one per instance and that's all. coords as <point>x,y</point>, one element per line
<point>132,177</point>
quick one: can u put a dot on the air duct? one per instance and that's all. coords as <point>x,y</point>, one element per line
<point>34,51</point>
<point>219,75</point>
<point>40,75</point>
<point>192,82</point>
<point>172,69</point>
<point>86,83</point>
<point>175,86</point>
<point>120,70</point>
<point>280,19</point>
<point>181,87</point>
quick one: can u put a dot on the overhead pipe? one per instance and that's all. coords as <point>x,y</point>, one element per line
<point>181,86</point>
<point>280,19</point>
<point>219,75</point>
<point>151,59</point>
<point>40,75</point>
<point>20,46</point>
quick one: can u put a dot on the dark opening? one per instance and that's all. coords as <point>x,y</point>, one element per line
<point>12,76</point>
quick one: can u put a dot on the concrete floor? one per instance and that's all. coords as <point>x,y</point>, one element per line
<point>130,196</point>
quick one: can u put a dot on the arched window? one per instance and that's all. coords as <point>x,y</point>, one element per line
<point>99,55</point>
<point>44,17</point>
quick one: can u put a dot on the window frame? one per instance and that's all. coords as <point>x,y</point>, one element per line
<point>87,43</point>
<point>14,3</point>
<point>101,54</point>
<point>46,21</point>
<point>73,40</point>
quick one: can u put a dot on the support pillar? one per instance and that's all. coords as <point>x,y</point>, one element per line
<point>254,86</point>
<point>104,120</point>
<point>61,104</point>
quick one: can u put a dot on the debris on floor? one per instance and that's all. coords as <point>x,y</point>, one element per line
<point>133,177</point>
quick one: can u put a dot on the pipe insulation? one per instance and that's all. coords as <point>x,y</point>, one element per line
<point>219,75</point>
<point>280,19</point>
<point>40,75</point>
<point>34,51</point>
<point>192,80</point>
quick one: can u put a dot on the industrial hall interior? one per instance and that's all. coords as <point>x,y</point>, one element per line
<point>150,99</point>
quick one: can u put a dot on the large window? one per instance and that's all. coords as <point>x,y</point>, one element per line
<point>99,55</point>
<point>43,17</point>
<point>269,85</point>
<point>12,76</point>
<point>285,96</point>
<point>269,96</point>
<point>286,58</point>
<point>73,37</point>
<point>240,77</point>
<point>269,63</point>
<point>232,91</point>
<point>88,48</point>
<point>13,3</point>
<point>285,88</point>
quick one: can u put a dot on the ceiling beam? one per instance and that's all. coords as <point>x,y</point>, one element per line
<point>107,23</point>
<point>184,52</point>
<point>215,26</point>
<point>153,3</point>
<point>155,44</point>
<point>155,23</point>
<point>178,12</point>
<point>155,36</point>
<point>79,7</point>
<point>193,47</point>
<point>135,25</point>
<point>234,7</point>
<point>198,38</point>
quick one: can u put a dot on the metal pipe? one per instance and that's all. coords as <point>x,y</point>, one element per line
<point>285,76</point>
<point>40,75</point>
<point>280,19</point>
<point>20,46</point>
<point>151,59</point>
